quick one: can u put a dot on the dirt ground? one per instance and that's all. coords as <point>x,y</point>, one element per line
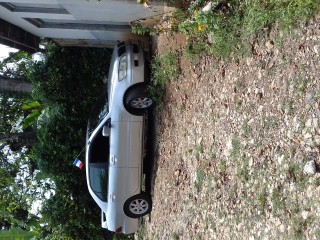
<point>237,143</point>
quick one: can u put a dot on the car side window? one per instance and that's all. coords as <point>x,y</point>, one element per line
<point>98,165</point>
<point>98,173</point>
<point>99,148</point>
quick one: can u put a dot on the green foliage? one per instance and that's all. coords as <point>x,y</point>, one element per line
<point>164,68</point>
<point>17,234</point>
<point>68,76</point>
<point>14,201</point>
<point>34,110</point>
<point>236,144</point>
<point>195,49</point>
<point>15,65</point>
<point>230,25</point>
<point>30,105</point>
<point>10,112</point>
<point>66,212</point>
<point>67,83</point>
<point>177,3</point>
<point>120,236</point>
<point>15,191</point>
<point>200,179</point>
<point>141,30</point>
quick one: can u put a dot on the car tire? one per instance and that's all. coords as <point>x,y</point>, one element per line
<point>138,101</point>
<point>138,206</point>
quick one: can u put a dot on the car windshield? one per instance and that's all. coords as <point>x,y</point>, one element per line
<point>98,113</point>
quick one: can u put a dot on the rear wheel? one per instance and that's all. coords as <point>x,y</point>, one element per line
<point>137,206</point>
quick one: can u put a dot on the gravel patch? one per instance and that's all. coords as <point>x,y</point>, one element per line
<point>238,143</point>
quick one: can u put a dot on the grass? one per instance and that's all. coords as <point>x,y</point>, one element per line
<point>164,69</point>
<point>243,169</point>
<point>277,200</point>
<point>195,49</point>
<point>288,107</point>
<point>175,236</point>
<point>182,108</point>
<point>263,200</point>
<point>295,174</point>
<point>298,227</point>
<point>198,150</point>
<point>235,148</point>
<point>246,128</point>
<point>141,233</point>
<point>200,179</point>
<point>222,166</point>
<point>301,83</point>
<point>120,236</point>
<point>270,122</point>
<point>228,29</point>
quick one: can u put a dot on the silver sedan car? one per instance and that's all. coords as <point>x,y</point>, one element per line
<point>115,139</point>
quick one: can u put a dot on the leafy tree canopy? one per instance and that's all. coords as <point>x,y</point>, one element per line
<point>67,84</point>
<point>16,65</point>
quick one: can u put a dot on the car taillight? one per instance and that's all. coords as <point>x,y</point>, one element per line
<point>119,230</point>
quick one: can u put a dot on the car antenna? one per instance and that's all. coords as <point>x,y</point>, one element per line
<point>77,162</point>
<point>81,152</point>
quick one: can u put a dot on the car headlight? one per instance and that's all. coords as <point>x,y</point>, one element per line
<point>122,72</point>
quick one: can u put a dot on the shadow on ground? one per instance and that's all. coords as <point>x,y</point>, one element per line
<point>150,161</point>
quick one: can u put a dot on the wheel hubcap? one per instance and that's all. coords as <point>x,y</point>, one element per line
<point>139,206</point>
<point>141,102</point>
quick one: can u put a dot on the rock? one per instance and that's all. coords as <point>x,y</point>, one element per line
<point>304,214</point>
<point>280,159</point>
<point>270,44</point>
<point>208,7</point>
<point>277,223</point>
<point>309,98</point>
<point>310,168</point>
<point>228,148</point>
<point>316,49</point>
<point>317,140</point>
<point>307,135</point>
<point>309,123</point>
<point>315,122</point>
<point>290,134</point>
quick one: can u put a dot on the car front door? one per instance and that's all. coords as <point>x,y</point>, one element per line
<point>124,174</point>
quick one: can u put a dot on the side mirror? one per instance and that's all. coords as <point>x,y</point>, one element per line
<point>106,130</point>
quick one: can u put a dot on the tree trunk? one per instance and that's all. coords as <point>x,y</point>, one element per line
<point>14,85</point>
<point>18,140</point>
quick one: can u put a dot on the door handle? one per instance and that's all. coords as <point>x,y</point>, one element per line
<point>112,197</point>
<point>113,160</point>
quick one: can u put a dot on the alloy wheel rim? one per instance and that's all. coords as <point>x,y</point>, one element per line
<point>141,102</point>
<point>139,206</point>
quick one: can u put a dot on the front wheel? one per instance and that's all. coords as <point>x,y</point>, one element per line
<point>137,206</point>
<point>141,103</point>
<point>138,101</point>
